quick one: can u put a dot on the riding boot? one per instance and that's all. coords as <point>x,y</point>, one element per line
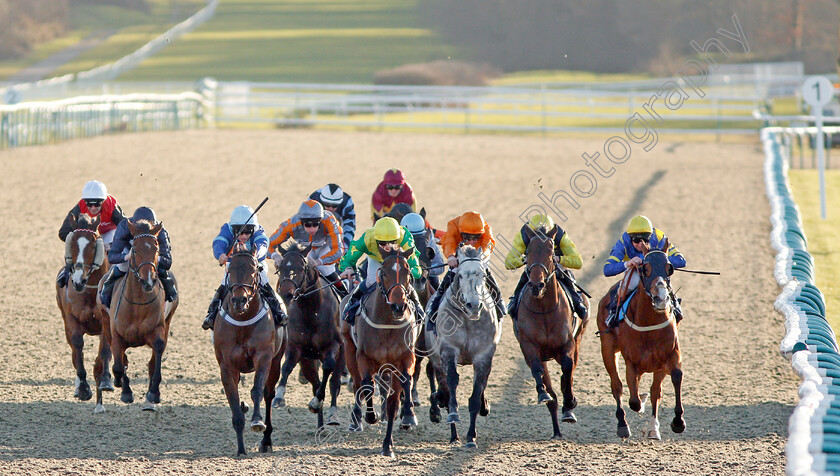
<point>64,275</point>
<point>513,305</point>
<point>496,293</point>
<point>612,307</point>
<point>108,286</point>
<point>215,305</point>
<point>169,291</point>
<point>577,299</point>
<point>337,283</point>
<point>675,301</point>
<point>434,304</point>
<point>267,293</point>
<point>353,304</point>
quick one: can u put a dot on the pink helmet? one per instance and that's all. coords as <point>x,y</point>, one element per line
<point>394,177</point>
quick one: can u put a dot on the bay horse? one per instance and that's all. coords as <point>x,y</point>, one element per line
<point>380,347</point>
<point>246,340</point>
<point>139,313</point>
<point>313,330</point>
<point>547,328</point>
<point>648,341</point>
<point>77,303</point>
<point>468,331</point>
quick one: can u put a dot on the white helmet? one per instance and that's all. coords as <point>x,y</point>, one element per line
<point>94,190</point>
<point>331,194</point>
<point>240,216</point>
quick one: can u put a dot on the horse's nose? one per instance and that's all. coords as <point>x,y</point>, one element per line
<point>469,305</point>
<point>398,309</point>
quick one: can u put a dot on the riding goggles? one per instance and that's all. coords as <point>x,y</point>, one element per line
<point>310,223</point>
<point>246,230</point>
<point>640,237</point>
<point>470,236</point>
<point>393,187</point>
<point>93,203</point>
<point>386,243</point>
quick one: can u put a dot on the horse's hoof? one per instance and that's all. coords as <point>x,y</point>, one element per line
<point>118,382</point>
<point>471,445</point>
<point>569,417</point>
<point>544,398</point>
<point>455,442</point>
<point>84,393</point>
<point>149,406</point>
<point>240,453</point>
<point>355,426</point>
<point>345,379</point>
<point>153,398</point>
<point>453,418</point>
<point>127,397</point>
<point>623,432</point>
<point>278,402</point>
<point>106,385</point>
<point>315,405</point>
<point>99,408</point>
<point>244,407</point>
<point>415,403</point>
<point>265,448</point>
<point>257,426</point>
<point>371,418</point>
<point>678,425</point>
<point>484,410</point>
<point>408,421</point>
<point>654,435</point>
<point>302,378</point>
<point>434,415</point>
<point>388,453</point>
<point>332,420</point>
<point>557,436</point>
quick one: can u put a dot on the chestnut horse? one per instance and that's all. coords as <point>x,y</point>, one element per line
<point>139,313</point>
<point>246,340</point>
<point>381,346</point>
<point>77,302</point>
<point>546,326</point>
<point>313,330</point>
<point>647,339</point>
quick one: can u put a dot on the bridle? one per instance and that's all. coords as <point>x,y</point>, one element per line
<point>93,266</point>
<point>402,263</point>
<point>250,288</point>
<point>305,282</point>
<point>552,262</point>
<point>135,268</point>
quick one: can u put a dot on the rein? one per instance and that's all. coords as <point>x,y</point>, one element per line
<point>305,283</point>
<point>250,288</point>
<point>135,270</point>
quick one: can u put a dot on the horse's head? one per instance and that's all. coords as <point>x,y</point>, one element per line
<point>398,211</point>
<point>294,270</point>
<point>85,249</point>
<point>656,271</point>
<point>144,255</point>
<point>395,279</point>
<point>540,259</point>
<point>243,276</point>
<point>469,290</point>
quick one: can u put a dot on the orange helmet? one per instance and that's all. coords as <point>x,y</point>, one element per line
<point>472,222</point>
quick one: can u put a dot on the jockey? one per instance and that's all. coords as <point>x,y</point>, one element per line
<point>391,190</point>
<point>95,201</point>
<point>243,227</point>
<point>424,240</point>
<point>629,251</point>
<point>564,250</point>
<point>386,233</point>
<point>120,248</point>
<point>320,230</point>
<point>467,229</point>
<point>340,204</point>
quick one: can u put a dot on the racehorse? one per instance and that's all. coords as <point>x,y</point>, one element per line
<point>647,339</point>
<point>78,307</point>
<point>246,340</point>
<point>381,346</point>
<point>468,331</point>
<point>313,330</point>
<point>139,314</point>
<point>546,326</point>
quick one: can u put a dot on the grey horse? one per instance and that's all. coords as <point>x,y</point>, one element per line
<point>467,332</point>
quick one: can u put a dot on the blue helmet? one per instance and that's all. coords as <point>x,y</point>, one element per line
<point>414,222</point>
<point>144,213</point>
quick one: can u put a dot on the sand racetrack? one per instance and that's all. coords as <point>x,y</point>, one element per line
<point>709,198</point>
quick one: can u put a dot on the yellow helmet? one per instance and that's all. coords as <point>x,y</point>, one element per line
<point>539,220</point>
<point>386,229</point>
<point>640,224</point>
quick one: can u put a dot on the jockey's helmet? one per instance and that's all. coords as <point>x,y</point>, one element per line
<point>240,216</point>
<point>94,190</point>
<point>540,220</point>
<point>311,210</point>
<point>394,177</point>
<point>640,224</point>
<point>386,229</point>
<point>144,213</point>
<point>414,222</point>
<point>331,194</point>
<point>472,223</point>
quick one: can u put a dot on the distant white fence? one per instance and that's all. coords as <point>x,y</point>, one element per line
<point>37,123</point>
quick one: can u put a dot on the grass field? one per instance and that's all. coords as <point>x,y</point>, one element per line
<point>823,235</point>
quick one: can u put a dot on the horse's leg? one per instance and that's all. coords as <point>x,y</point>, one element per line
<point>655,396</point>
<point>434,409</point>
<point>677,424</point>
<point>415,395</point>
<point>449,360</point>
<point>120,368</point>
<point>335,387</point>
<point>481,371</point>
<point>366,393</point>
<point>610,358</point>
<point>551,404</point>
<point>105,382</point>
<point>159,346</point>
<point>353,369</point>
<point>292,359</point>
<point>635,401</point>
<point>320,391</point>
<point>230,380</point>
<point>75,337</point>
<point>536,366</point>
<point>393,402</point>
<point>309,371</point>
<point>262,363</point>
<point>567,364</point>
<point>409,419</point>
<point>268,396</point>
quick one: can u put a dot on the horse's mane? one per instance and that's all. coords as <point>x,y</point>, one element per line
<point>292,245</point>
<point>238,246</point>
<point>85,221</point>
<point>143,226</point>
<point>470,252</point>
